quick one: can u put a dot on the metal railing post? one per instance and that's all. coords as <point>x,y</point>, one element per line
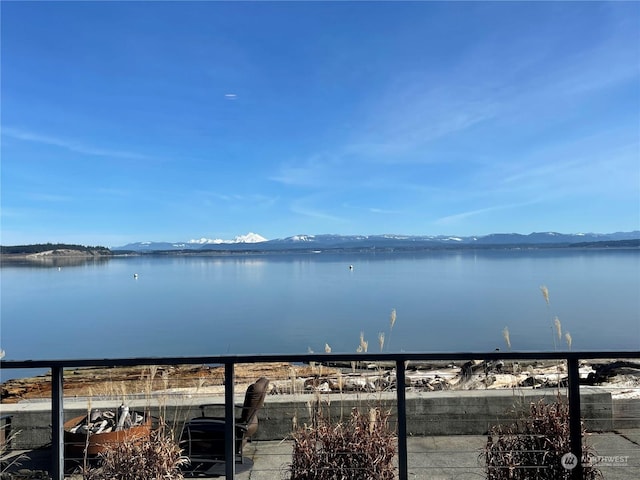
<point>575,424</point>
<point>230,422</point>
<point>57,423</point>
<point>402,420</point>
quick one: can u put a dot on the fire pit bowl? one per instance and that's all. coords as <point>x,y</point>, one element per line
<point>95,443</point>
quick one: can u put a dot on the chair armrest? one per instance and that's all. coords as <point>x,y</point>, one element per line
<point>212,424</point>
<point>205,405</point>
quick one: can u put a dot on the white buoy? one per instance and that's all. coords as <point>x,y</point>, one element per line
<point>350,267</point>
<point>135,275</point>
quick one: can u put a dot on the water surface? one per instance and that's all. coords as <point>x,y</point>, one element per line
<point>445,301</point>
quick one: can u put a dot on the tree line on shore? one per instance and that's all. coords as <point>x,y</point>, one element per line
<point>46,247</point>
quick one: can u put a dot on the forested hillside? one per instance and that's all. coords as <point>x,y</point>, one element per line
<point>49,247</point>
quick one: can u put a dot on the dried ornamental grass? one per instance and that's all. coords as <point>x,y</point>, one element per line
<point>6,439</point>
<point>364,345</point>
<point>558,325</point>
<point>567,337</point>
<point>507,337</point>
<point>361,448</point>
<point>392,322</point>
<point>158,458</point>
<point>545,293</point>
<point>534,446</point>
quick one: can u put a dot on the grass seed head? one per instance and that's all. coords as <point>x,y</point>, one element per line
<point>545,293</point>
<point>567,337</point>
<point>507,338</point>
<point>364,345</point>
<point>558,325</point>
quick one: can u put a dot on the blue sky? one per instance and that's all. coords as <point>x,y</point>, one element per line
<point>171,121</point>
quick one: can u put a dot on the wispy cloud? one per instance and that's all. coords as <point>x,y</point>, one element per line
<point>610,60</point>
<point>512,92</point>
<point>263,201</point>
<point>316,169</point>
<point>239,200</point>
<point>300,208</point>
<point>295,176</point>
<point>453,219</point>
<point>114,192</point>
<point>411,115</point>
<point>395,128</point>
<point>546,171</point>
<point>583,164</point>
<point>406,128</point>
<point>48,197</point>
<point>67,144</point>
<point>384,211</point>
<point>375,210</point>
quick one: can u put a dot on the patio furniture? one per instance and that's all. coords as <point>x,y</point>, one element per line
<point>203,439</point>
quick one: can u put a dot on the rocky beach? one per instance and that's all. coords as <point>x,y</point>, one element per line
<point>623,377</point>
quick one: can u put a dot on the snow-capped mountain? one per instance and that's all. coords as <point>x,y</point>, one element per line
<point>536,238</point>
<point>194,244</point>
<point>255,242</point>
<point>248,238</point>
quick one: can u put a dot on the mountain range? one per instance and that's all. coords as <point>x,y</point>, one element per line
<point>255,242</point>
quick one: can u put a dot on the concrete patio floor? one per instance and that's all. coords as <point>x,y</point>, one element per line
<point>456,457</point>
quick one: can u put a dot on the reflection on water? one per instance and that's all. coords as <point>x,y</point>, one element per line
<point>52,261</point>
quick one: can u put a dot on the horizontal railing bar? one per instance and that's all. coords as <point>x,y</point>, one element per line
<point>318,357</point>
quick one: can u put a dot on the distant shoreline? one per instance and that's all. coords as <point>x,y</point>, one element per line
<point>50,253</point>
<point>69,257</point>
<point>617,245</point>
<point>337,244</point>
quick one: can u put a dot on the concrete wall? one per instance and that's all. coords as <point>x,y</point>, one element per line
<point>429,413</point>
<point>437,413</point>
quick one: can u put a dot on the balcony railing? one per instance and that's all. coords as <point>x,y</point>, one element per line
<point>399,360</point>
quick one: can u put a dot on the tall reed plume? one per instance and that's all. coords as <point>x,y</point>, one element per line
<point>507,338</point>
<point>364,345</point>
<point>558,326</point>
<point>545,295</point>
<point>392,322</point>
<point>567,337</point>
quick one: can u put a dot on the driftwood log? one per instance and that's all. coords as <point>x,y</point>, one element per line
<point>604,372</point>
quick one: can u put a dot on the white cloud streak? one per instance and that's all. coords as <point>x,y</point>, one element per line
<point>48,197</point>
<point>72,146</point>
<point>384,211</point>
<point>237,200</point>
<point>457,218</point>
<point>299,208</point>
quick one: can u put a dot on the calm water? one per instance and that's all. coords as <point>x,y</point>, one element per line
<point>445,301</point>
